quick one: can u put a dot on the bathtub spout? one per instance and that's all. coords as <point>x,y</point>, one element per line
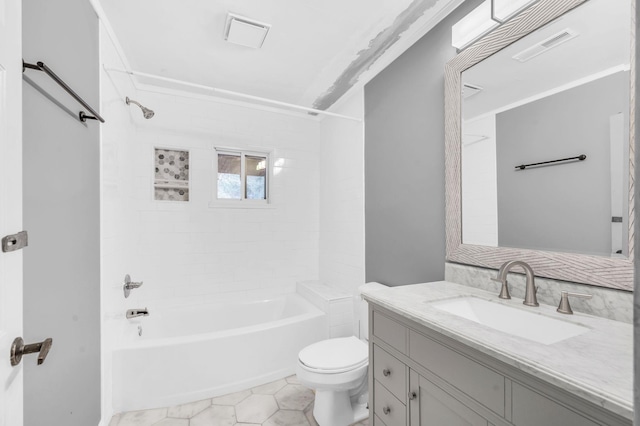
<point>132,313</point>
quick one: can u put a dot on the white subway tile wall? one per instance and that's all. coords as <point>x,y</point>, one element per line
<point>115,147</point>
<point>336,303</point>
<point>341,318</point>
<point>342,205</point>
<point>191,252</point>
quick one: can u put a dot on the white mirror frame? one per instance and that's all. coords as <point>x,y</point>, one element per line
<point>595,270</point>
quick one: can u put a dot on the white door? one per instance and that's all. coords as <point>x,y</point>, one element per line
<point>10,206</point>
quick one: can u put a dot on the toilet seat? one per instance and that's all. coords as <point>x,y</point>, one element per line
<point>334,356</point>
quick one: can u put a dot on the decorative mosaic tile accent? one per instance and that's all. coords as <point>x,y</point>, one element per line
<point>169,194</point>
<point>171,178</point>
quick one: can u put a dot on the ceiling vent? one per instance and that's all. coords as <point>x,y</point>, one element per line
<point>468,139</point>
<point>545,45</point>
<point>245,31</point>
<point>468,90</point>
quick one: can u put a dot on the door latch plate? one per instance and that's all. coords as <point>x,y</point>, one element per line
<point>15,242</point>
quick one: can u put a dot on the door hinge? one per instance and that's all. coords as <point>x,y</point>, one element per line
<point>15,242</point>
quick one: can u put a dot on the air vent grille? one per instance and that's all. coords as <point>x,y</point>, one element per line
<point>469,90</point>
<point>556,39</point>
<point>245,32</point>
<point>468,139</point>
<point>545,45</point>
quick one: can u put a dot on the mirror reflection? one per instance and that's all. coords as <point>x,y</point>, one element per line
<point>562,92</point>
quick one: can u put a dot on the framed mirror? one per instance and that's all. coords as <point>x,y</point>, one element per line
<point>539,143</point>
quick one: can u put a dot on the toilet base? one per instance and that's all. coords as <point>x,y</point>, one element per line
<point>360,411</point>
<point>336,408</point>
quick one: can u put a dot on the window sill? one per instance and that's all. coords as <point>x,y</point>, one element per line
<point>239,205</point>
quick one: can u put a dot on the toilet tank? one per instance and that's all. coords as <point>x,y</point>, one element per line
<point>363,308</point>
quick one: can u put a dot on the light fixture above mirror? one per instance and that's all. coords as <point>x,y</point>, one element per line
<point>503,10</point>
<point>484,18</point>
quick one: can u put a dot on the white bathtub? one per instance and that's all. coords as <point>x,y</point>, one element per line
<point>190,353</point>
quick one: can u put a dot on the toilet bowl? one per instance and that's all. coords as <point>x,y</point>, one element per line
<point>337,370</point>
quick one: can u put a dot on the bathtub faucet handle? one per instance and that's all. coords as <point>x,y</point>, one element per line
<point>129,285</point>
<point>133,313</point>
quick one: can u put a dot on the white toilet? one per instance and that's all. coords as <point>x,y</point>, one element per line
<point>337,370</point>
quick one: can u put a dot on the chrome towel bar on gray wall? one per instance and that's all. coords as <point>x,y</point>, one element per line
<point>40,66</point>
<point>579,157</point>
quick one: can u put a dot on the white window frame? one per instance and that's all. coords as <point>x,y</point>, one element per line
<point>242,202</point>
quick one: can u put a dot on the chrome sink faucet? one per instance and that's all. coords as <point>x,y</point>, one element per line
<point>530,298</point>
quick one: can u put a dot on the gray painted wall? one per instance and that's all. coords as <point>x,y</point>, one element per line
<point>404,161</point>
<point>61,212</point>
<point>563,207</point>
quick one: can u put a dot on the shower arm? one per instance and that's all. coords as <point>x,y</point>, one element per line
<point>131,101</point>
<point>146,112</point>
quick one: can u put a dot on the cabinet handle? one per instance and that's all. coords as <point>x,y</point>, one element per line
<point>386,410</point>
<point>386,372</point>
<point>412,396</point>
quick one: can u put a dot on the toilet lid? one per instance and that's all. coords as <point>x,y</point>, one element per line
<point>340,354</point>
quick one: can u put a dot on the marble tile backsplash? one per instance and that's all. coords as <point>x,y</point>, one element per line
<point>607,303</point>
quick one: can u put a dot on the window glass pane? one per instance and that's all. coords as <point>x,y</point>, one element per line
<point>229,182</point>
<point>256,179</point>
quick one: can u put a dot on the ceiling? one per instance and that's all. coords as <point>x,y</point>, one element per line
<point>602,46</point>
<point>314,53</point>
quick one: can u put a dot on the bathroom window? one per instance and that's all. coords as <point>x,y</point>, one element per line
<point>242,176</point>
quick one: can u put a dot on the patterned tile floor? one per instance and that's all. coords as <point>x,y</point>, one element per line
<point>284,402</point>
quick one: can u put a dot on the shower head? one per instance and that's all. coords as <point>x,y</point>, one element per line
<point>146,112</point>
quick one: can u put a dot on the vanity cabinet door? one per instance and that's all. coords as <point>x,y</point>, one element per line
<point>434,407</point>
<point>472,378</point>
<point>532,409</point>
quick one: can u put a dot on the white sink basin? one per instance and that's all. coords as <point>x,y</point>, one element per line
<point>528,325</point>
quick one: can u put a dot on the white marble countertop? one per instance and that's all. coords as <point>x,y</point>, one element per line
<point>596,366</point>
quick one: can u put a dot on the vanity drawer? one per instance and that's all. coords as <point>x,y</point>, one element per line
<point>392,332</point>
<point>377,421</point>
<point>479,382</point>
<point>396,379</point>
<point>390,410</point>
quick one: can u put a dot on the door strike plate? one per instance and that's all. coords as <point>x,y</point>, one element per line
<point>15,242</point>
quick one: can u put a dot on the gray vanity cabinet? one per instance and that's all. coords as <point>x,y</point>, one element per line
<point>401,396</point>
<point>422,378</point>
